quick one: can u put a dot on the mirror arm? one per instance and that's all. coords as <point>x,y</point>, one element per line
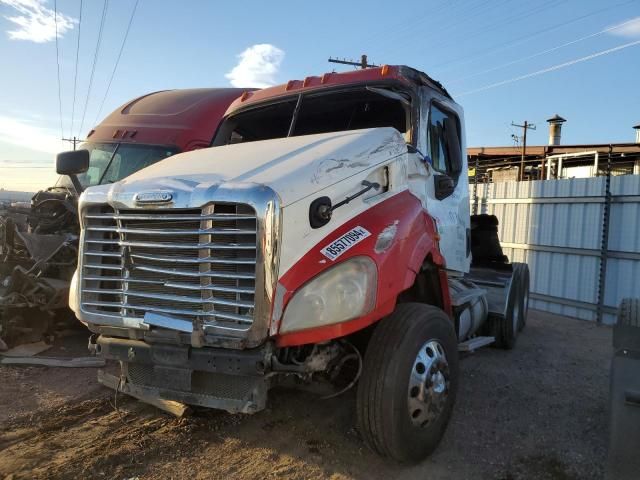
<point>76,183</point>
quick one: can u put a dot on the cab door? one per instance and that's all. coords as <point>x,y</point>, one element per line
<point>447,186</point>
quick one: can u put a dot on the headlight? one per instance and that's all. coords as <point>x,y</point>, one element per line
<point>338,294</point>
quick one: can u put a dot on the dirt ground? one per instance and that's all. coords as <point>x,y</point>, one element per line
<point>538,411</point>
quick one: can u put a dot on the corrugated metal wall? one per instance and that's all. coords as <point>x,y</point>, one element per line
<point>556,227</point>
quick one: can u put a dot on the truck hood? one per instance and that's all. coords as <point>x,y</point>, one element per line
<point>294,167</point>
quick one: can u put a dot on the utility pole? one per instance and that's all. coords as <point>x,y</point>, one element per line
<point>363,63</point>
<point>74,140</point>
<point>525,127</point>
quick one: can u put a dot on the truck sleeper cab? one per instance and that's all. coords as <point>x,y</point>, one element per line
<point>151,128</point>
<point>328,228</point>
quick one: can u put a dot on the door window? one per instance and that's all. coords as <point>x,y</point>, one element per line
<point>443,141</point>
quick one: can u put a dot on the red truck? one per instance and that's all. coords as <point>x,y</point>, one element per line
<point>325,238</point>
<point>38,245</point>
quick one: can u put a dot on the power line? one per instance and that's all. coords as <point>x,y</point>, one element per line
<point>403,26</point>
<point>454,21</point>
<point>55,17</point>
<point>115,67</point>
<point>544,52</point>
<point>410,27</point>
<point>75,76</point>
<point>503,46</point>
<point>517,17</point>
<point>550,69</point>
<point>95,59</point>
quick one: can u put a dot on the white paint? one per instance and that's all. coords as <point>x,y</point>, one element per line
<point>345,243</point>
<point>294,167</point>
<point>296,231</point>
<point>452,213</point>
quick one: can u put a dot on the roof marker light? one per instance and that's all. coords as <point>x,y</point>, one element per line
<point>385,70</point>
<point>325,78</point>
<point>245,95</point>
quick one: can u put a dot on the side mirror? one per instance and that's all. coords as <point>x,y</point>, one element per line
<point>444,186</point>
<point>72,163</point>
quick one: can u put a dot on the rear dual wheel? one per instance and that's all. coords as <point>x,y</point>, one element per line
<point>409,382</point>
<point>505,328</point>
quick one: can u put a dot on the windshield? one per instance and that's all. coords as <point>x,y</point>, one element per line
<point>110,162</point>
<point>318,113</point>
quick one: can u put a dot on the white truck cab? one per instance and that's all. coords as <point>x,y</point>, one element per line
<point>328,225</point>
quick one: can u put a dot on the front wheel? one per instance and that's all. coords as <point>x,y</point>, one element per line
<point>409,382</point>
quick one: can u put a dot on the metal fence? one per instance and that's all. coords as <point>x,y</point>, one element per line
<point>580,237</point>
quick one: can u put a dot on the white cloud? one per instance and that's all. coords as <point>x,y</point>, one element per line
<point>24,134</point>
<point>628,29</point>
<point>35,22</point>
<point>257,67</point>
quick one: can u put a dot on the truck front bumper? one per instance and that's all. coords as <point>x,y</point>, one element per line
<point>231,380</point>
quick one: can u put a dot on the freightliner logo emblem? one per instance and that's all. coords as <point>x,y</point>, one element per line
<point>153,197</point>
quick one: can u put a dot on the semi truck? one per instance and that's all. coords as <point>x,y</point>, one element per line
<point>325,238</point>
<point>39,240</point>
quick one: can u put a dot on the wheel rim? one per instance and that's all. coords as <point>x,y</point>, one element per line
<point>428,384</point>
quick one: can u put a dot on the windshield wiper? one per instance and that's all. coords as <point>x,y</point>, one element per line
<point>294,118</point>
<point>113,155</point>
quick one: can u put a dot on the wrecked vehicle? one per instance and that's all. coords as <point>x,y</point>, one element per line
<point>326,238</point>
<point>39,241</point>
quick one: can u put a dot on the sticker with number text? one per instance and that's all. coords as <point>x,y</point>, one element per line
<point>345,242</point>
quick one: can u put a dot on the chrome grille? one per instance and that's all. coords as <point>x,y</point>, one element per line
<point>190,264</point>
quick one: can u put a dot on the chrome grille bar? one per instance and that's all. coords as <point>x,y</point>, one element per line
<point>210,231</point>
<point>192,263</point>
<point>186,286</point>
<point>177,311</point>
<point>172,217</point>
<point>225,261</point>
<point>187,273</point>
<point>173,298</point>
<point>181,246</point>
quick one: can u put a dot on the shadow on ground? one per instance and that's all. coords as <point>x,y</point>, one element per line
<point>535,412</point>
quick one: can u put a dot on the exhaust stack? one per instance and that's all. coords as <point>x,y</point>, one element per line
<point>555,129</point>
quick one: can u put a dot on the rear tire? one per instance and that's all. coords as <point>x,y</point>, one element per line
<point>522,269</point>
<point>505,327</point>
<point>409,382</point>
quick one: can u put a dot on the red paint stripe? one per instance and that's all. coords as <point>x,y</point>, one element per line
<point>397,266</point>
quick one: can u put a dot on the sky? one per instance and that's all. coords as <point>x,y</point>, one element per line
<point>504,61</point>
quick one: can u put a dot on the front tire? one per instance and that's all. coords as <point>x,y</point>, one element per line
<point>409,382</point>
